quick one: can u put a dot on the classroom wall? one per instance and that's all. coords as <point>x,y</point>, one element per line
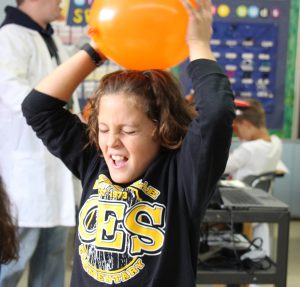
<point>288,188</point>
<point>4,3</point>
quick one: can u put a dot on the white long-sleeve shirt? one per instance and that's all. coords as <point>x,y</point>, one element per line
<point>38,184</point>
<point>254,157</point>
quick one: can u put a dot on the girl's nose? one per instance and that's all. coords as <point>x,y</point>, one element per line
<point>113,140</point>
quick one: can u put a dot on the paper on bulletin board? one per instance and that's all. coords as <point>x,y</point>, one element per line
<point>78,12</point>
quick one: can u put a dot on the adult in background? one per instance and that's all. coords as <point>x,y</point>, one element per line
<point>39,187</point>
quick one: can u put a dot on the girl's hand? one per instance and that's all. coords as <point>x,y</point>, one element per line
<point>199,29</point>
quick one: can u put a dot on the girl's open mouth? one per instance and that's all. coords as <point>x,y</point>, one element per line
<point>119,161</point>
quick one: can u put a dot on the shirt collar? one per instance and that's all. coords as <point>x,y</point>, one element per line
<point>16,16</point>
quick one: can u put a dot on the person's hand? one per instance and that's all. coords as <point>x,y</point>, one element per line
<point>199,29</point>
<point>200,21</point>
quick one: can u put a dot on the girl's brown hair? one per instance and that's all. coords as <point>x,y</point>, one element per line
<point>162,98</point>
<point>8,239</point>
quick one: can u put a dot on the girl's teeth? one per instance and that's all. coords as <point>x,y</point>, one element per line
<point>117,157</point>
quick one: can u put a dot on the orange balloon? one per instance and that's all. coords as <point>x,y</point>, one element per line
<point>140,34</point>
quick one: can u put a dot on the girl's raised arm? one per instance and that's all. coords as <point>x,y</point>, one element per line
<point>63,81</point>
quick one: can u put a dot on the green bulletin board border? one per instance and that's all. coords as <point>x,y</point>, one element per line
<point>286,132</point>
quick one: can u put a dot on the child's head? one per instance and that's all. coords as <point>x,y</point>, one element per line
<point>134,114</point>
<point>249,119</point>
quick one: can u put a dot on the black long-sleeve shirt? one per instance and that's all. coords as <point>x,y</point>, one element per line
<point>145,233</point>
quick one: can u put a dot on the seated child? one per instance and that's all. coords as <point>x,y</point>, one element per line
<point>258,152</point>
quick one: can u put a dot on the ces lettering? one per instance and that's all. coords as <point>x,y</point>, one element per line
<point>113,226</point>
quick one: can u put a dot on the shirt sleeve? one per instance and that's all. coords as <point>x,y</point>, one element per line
<point>61,131</point>
<point>237,160</point>
<point>205,149</point>
<point>14,84</point>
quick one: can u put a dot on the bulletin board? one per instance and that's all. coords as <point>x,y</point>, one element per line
<point>254,41</point>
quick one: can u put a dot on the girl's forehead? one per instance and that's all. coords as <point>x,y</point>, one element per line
<point>120,103</point>
<point>117,111</point>
<point>124,98</point>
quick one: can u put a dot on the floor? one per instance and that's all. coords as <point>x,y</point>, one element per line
<point>293,262</point>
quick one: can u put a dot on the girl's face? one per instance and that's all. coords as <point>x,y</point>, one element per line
<point>126,137</point>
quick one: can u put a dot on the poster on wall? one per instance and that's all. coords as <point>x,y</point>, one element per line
<point>78,12</point>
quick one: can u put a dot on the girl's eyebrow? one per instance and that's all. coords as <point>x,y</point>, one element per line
<point>122,125</point>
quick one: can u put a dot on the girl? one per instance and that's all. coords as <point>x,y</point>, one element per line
<point>148,164</point>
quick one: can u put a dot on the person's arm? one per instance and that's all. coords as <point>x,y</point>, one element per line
<point>237,160</point>
<point>205,148</point>
<point>281,169</point>
<point>63,81</point>
<point>63,133</point>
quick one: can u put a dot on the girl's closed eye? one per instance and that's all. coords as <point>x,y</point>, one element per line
<point>129,132</point>
<point>103,129</point>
